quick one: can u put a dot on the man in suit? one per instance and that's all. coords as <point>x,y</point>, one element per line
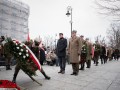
<point>61,52</point>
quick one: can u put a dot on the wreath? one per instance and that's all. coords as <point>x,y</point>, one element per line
<point>24,56</point>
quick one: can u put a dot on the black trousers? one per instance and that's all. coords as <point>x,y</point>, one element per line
<point>62,63</point>
<point>96,58</point>
<point>82,61</point>
<point>88,62</point>
<point>103,59</point>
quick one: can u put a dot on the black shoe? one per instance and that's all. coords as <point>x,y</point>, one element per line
<point>60,71</point>
<point>83,69</point>
<point>76,74</point>
<point>47,77</point>
<point>80,69</point>
<point>14,80</point>
<point>72,73</point>
<point>63,72</point>
<point>8,69</point>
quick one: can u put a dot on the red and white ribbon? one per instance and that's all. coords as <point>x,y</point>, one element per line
<point>31,54</point>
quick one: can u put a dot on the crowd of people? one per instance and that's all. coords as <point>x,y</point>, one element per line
<point>78,51</point>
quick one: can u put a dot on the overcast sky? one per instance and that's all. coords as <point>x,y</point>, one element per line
<point>48,17</point>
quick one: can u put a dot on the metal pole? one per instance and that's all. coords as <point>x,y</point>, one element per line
<point>71,22</point>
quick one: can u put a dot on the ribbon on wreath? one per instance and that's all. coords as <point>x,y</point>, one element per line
<point>31,54</point>
<point>8,84</point>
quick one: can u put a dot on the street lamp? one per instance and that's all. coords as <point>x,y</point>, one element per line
<point>69,12</point>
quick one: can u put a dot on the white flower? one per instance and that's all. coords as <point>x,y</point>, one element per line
<point>20,53</point>
<point>14,41</point>
<point>26,50</point>
<point>16,44</point>
<point>83,45</point>
<point>27,55</point>
<point>21,50</point>
<point>24,56</point>
<point>21,45</point>
<point>17,47</point>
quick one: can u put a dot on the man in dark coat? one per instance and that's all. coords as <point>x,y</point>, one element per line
<point>61,52</point>
<point>103,54</point>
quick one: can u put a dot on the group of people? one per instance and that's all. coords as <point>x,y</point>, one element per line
<point>77,52</point>
<point>81,51</point>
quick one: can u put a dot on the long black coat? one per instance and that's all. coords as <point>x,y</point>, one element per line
<point>61,47</point>
<point>102,52</point>
<point>42,55</point>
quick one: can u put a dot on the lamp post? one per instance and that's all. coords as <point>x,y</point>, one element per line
<point>69,12</point>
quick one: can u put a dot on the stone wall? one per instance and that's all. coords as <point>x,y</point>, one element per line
<point>14,19</point>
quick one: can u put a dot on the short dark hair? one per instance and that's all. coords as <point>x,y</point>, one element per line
<point>36,43</point>
<point>74,31</point>
<point>81,36</point>
<point>60,33</point>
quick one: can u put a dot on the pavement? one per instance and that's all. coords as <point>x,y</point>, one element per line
<point>101,77</point>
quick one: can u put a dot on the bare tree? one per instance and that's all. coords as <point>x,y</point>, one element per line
<point>97,38</point>
<point>109,8</point>
<point>100,39</point>
<point>49,41</point>
<point>113,35</point>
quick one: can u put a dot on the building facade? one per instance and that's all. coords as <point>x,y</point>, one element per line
<point>14,19</point>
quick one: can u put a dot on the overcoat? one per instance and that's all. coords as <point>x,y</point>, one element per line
<point>89,51</point>
<point>61,47</point>
<point>74,49</point>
